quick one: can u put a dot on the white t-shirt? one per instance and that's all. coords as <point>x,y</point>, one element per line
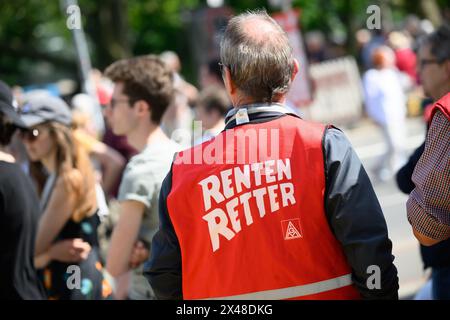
<point>384,96</point>
<point>141,182</point>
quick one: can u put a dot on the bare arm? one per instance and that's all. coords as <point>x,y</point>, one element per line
<point>68,251</point>
<point>124,237</point>
<point>423,239</point>
<point>55,216</point>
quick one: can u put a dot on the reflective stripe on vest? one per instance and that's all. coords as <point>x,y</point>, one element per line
<point>294,292</point>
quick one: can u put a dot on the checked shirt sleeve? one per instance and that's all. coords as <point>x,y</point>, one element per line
<point>428,205</point>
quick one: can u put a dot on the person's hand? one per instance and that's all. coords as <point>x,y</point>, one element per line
<point>139,254</point>
<point>70,250</point>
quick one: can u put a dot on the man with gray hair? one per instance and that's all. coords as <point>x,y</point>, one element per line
<point>239,222</point>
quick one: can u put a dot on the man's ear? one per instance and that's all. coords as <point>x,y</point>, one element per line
<point>295,69</point>
<point>229,84</point>
<point>142,107</point>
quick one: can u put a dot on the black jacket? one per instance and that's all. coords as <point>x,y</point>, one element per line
<point>438,255</point>
<point>19,217</point>
<point>352,210</point>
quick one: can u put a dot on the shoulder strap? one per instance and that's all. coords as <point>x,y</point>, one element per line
<point>45,197</point>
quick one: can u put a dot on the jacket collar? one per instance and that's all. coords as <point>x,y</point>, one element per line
<point>252,112</point>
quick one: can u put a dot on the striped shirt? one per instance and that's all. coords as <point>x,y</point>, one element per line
<point>429,203</point>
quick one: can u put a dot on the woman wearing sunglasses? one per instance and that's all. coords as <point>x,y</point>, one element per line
<point>66,243</point>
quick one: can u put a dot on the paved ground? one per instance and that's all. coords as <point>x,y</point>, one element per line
<point>368,143</point>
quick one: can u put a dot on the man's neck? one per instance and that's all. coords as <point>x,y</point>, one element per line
<point>441,93</point>
<point>244,101</point>
<point>146,135</point>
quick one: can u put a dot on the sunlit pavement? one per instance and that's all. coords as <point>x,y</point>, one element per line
<point>368,143</point>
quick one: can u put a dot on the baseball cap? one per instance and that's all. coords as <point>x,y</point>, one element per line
<point>42,107</point>
<point>7,105</point>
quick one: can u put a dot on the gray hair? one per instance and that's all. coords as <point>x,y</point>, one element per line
<point>439,42</point>
<point>261,66</point>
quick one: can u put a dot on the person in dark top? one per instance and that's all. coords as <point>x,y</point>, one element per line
<point>404,174</point>
<point>19,214</point>
<point>437,255</point>
<point>121,145</point>
<point>67,249</point>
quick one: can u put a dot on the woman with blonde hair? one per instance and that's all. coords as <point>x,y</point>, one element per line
<point>66,242</point>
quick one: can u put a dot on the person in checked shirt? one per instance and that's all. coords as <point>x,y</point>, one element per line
<point>429,203</point>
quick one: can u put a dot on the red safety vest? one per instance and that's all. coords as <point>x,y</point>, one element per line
<point>443,105</point>
<point>252,224</point>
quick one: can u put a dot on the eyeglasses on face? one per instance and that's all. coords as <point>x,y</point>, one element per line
<point>30,135</point>
<point>114,102</point>
<point>424,62</point>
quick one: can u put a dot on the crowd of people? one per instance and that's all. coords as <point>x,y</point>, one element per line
<point>117,197</point>
<point>390,78</point>
<point>400,63</point>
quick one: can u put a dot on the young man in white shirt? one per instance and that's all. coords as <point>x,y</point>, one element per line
<point>143,90</point>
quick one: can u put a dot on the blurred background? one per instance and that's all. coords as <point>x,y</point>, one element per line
<point>64,46</point>
<point>37,47</point>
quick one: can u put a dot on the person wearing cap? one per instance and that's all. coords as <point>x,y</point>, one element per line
<point>64,177</point>
<point>274,207</point>
<point>19,214</point>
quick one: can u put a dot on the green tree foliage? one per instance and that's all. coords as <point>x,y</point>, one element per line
<point>36,45</point>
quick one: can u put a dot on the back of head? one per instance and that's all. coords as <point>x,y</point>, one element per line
<point>383,57</point>
<point>399,40</point>
<point>258,54</point>
<point>145,78</point>
<point>6,130</point>
<point>9,119</point>
<point>214,98</point>
<point>171,60</point>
